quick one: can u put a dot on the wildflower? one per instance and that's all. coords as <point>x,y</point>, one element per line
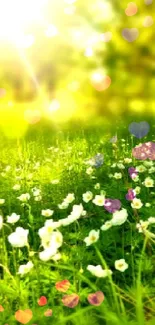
<point>63,205</point>
<point>117,175</point>
<point>148,163</point>
<point>24,197</point>
<point>48,253</point>
<point>121,265</point>
<point>106,226</point>
<point>97,186</point>
<point>36,191</point>
<point>137,189</point>
<point>120,166</point>
<point>2,201</point>
<point>147,204</point>
<point>47,213</point>
<point>112,205</point>
<point>69,198</point>
<point>1,222</point>
<point>142,225</point>
<point>136,179</point>
<point>119,217</point>
<point>77,211</point>
<point>56,239</point>
<point>23,269</point>
<point>151,170</point>
<point>141,168</point>
<point>99,200</point>
<point>136,203</point>
<point>148,182</point>
<point>132,172</point>
<point>56,257</point>
<point>98,271</point>
<point>16,187</point>
<point>38,198</point>
<point>13,218</point>
<point>87,196</point>
<point>151,220</point>
<point>127,160</point>
<point>89,170</point>
<point>131,194</point>
<point>92,237</point>
<point>19,237</point>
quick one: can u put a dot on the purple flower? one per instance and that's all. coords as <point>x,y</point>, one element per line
<point>130,195</point>
<point>132,172</point>
<point>112,205</point>
<point>144,151</point>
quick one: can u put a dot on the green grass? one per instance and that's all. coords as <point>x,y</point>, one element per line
<point>129,295</point>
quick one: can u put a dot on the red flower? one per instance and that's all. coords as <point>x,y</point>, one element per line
<point>96,298</point>
<point>42,301</point>
<point>63,285</point>
<point>70,301</point>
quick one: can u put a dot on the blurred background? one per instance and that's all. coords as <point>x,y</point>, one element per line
<point>72,59</point>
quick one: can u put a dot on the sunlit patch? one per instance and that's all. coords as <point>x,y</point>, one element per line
<point>2,92</point>
<point>42,301</point>
<point>96,298</point>
<point>106,37</point>
<point>48,313</point>
<point>70,301</point>
<point>70,10</point>
<point>139,130</point>
<point>54,106</point>
<point>100,81</point>
<point>131,9</point>
<point>148,2</point>
<point>32,116</point>
<point>23,316</point>
<point>51,31</point>
<point>25,41</point>
<point>130,34</point>
<point>63,285</point>
<point>148,21</point>
<point>89,52</point>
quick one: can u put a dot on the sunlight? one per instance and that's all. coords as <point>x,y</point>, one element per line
<point>17,15</point>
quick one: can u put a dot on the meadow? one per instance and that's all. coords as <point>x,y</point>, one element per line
<point>77,218</point>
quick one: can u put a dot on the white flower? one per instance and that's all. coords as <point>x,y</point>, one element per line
<point>99,200</point>
<point>47,213</point>
<point>77,211</point>
<point>147,204</point>
<point>38,198</point>
<point>97,186</point>
<point>92,237</point>
<point>36,191</point>
<point>98,271</point>
<point>89,170</point>
<point>135,179</point>
<point>56,257</point>
<point>127,160</point>
<point>142,225</point>
<point>151,220</point>
<point>106,226</point>
<point>16,187</point>
<point>141,168</point>
<point>120,166</point>
<point>23,269</point>
<point>24,197</point>
<point>136,203</point>
<point>117,175</point>
<point>87,196</point>
<point>66,222</point>
<point>48,253</point>
<point>137,189</point>
<point>1,222</point>
<point>63,205</point>
<point>56,239</point>
<point>2,201</point>
<point>119,217</point>
<point>69,198</point>
<point>19,237</point>
<point>148,182</point>
<point>13,218</point>
<point>121,265</point>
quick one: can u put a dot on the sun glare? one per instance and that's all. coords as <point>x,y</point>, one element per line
<point>17,15</point>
